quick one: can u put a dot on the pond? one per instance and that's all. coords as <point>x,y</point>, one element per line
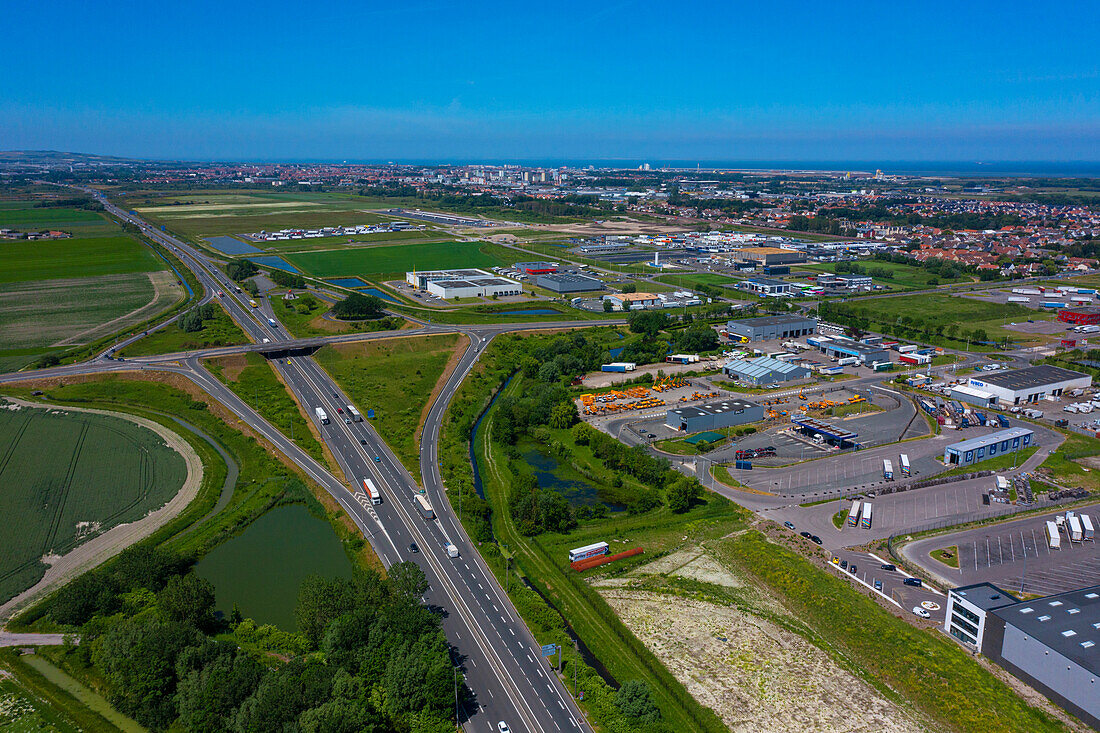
<point>616,351</point>
<point>232,246</point>
<point>378,294</point>
<point>261,569</point>
<point>348,282</point>
<point>273,261</point>
<point>564,479</point>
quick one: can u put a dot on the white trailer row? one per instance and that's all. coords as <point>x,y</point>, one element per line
<point>1078,527</point>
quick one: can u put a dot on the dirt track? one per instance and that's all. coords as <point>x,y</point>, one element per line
<point>93,552</point>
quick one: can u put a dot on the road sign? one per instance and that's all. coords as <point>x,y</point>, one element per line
<point>549,649</point>
<point>370,414</point>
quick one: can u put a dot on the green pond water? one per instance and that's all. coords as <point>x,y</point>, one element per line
<point>261,569</point>
<point>553,474</point>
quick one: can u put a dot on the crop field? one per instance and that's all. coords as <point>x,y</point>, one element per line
<point>387,260</point>
<point>395,378</point>
<point>78,257</point>
<point>66,477</point>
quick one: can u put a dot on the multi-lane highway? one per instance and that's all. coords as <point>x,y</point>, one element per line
<point>498,657</point>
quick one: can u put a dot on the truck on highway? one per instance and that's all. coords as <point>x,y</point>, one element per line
<point>322,416</point>
<point>903,464</point>
<point>853,514</point>
<point>1053,538</point>
<point>452,550</point>
<point>372,491</point>
<point>887,469</point>
<point>865,520</point>
<point>271,322</point>
<point>425,507</point>
<point>253,304</point>
<point>354,414</point>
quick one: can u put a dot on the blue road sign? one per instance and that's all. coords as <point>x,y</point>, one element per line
<point>370,414</point>
<point>549,649</point>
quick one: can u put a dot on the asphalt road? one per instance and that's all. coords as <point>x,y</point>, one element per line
<point>499,659</point>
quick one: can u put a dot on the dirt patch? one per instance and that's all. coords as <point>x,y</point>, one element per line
<point>757,675</point>
<point>231,366</point>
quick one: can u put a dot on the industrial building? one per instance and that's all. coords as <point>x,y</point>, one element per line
<point>1086,316</point>
<point>765,370</point>
<point>767,328</point>
<point>766,287</point>
<point>536,268</point>
<point>632,301</point>
<point>1031,384</point>
<point>973,450</point>
<point>714,416</point>
<point>470,283</point>
<point>1051,643</point>
<point>831,434</point>
<point>839,347</point>
<point>768,255</point>
<point>563,282</point>
<point>973,395</point>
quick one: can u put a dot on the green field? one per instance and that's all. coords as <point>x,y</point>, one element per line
<point>304,317</point>
<point>253,379</point>
<point>399,259</point>
<point>218,331</point>
<point>902,276</point>
<point>26,217</point>
<point>75,258</point>
<point>395,378</point>
<point>64,477</point>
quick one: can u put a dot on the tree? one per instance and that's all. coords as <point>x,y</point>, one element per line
<point>408,580</point>
<point>635,701</point>
<point>647,322</point>
<point>188,599</point>
<point>607,307</point>
<point>211,690</point>
<point>549,372</point>
<point>629,288</point>
<point>241,269</point>
<point>979,335</point>
<point>358,306</point>
<point>683,493</point>
<point>563,415</point>
<point>320,601</point>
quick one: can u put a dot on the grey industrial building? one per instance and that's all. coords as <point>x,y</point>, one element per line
<point>1051,643</point>
<point>973,450</point>
<point>562,282</point>
<point>713,416</point>
<point>839,347</point>
<point>765,370</point>
<point>767,328</point>
<point>1031,384</point>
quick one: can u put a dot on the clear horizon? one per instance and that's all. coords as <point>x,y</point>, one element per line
<point>634,81</point>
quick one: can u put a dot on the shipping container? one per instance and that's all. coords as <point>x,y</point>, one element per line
<point>583,553</point>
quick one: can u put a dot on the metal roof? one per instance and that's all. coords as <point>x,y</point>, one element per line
<point>1066,623</point>
<point>764,321</point>
<point>714,408</point>
<point>1030,377</point>
<point>825,428</point>
<point>761,365</point>
<point>984,440</point>
<point>985,596</point>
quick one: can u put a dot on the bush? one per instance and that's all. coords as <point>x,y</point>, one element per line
<point>358,306</point>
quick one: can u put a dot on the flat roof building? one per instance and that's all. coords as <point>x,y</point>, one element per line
<point>1031,384</point>
<point>632,301</point>
<point>973,450</point>
<point>562,282</point>
<point>768,255</point>
<point>767,328</point>
<point>765,370</point>
<point>536,268</point>
<point>1081,316</point>
<point>1051,643</point>
<point>466,283</point>
<point>766,287</point>
<point>714,416</point>
<point>840,347</point>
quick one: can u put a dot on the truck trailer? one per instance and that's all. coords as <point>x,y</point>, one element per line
<point>853,514</point>
<point>425,507</point>
<point>353,413</point>
<point>903,464</point>
<point>1086,525</point>
<point>583,553</point>
<point>887,469</point>
<point>1073,526</point>
<point>865,520</point>
<point>1053,538</point>
<point>372,491</point>
<point>322,416</point>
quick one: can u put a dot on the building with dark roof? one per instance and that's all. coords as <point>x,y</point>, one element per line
<point>1051,643</point>
<point>1031,384</point>
<point>767,328</point>
<point>536,268</point>
<point>563,282</point>
<point>713,416</point>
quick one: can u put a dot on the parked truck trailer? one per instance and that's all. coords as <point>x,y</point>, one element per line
<point>1053,538</point>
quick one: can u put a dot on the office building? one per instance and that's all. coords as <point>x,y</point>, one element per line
<point>1081,316</point>
<point>468,283</point>
<point>536,268</point>
<point>766,287</point>
<point>973,450</point>
<point>1031,384</point>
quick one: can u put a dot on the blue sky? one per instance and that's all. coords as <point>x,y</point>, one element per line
<point>961,81</point>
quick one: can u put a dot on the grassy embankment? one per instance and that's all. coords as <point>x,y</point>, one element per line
<point>902,276</point>
<point>303,317</point>
<point>217,331</point>
<point>925,667</point>
<point>395,378</point>
<point>253,379</point>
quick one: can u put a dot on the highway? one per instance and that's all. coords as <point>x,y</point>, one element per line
<point>498,657</point>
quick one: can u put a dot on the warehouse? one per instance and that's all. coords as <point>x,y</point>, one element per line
<point>1031,384</point>
<point>768,328</point>
<point>561,282</point>
<point>765,370</point>
<point>714,416</point>
<point>1051,643</point>
<point>973,395</point>
<point>766,287</point>
<point>973,450</point>
<point>768,255</point>
<point>1081,316</point>
<point>471,283</point>
<point>536,268</point>
<point>839,347</point>
<point>632,301</point>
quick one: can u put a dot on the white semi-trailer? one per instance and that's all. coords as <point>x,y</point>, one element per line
<point>887,470</point>
<point>853,514</point>
<point>372,491</point>
<point>322,416</point>
<point>425,507</point>
<point>1053,538</point>
<point>354,414</point>
<point>865,520</point>
<point>1074,525</point>
<point>1086,525</point>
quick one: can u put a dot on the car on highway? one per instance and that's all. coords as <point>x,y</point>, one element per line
<point>413,548</point>
<point>788,525</point>
<point>815,539</point>
<point>915,582</point>
<point>921,612</point>
<point>887,566</point>
<point>378,459</point>
<point>340,410</point>
<point>362,441</point>
<point>347,421</point>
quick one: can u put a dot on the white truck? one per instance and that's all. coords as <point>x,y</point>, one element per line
<point>322,416</point>
<point>1086,525</point>
<point>1074,527</point>
<point>452,550</point>
<point>1053,538</point>
<point>354,414</point>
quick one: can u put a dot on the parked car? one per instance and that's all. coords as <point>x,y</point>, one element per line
<point>788,525</point>
<point>878,585</point>
<point>921,612</point>
<point>852,568</point>
<point>843,564</point>
<point>807,535</point>
<point>815,539</point>
<point>913,581</point>
<point>887,566</point>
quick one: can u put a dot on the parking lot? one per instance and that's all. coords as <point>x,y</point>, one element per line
<point>1015,555</point>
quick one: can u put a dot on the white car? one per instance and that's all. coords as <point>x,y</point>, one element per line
<point>921,612</point>
<point>503,727</point>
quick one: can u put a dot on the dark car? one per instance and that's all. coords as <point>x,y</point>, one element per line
<point>413,547</point>
<point>362,442</point>
<point>852,568</point>
<point>913,581</point>
<point>887,566</point>
<point>816,540</point>
<point>788,525</point>
<point>843,564</point>
<point>807,535</point>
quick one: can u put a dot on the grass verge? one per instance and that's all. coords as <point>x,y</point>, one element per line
<point>220,330</point>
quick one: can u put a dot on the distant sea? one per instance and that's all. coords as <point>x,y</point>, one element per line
<point>927,168</point>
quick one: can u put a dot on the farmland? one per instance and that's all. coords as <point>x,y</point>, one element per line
<point>395,378</point>
<point>395,260</point>
<point>67,477</point>
<point>75,258</point>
